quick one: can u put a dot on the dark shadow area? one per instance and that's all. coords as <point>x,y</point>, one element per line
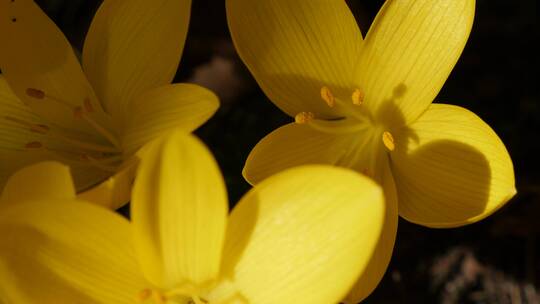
<point>445,180</point>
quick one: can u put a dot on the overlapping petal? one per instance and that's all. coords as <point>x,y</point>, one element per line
<point>302,236</point>
<point>133,46</point>
<point>409,51</point>
<point>179,210</point>
<point>114,192</point>
<point>44,180</point>
<point>54,69</point>
<point>66,251</point>
<point>184,106</point>
<point>293,48</point>
<point>450,168</point>
<point>293,145</point>
<point>382,254</point>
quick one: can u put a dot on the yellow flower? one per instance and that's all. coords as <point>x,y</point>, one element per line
<point>96,116</point>
<point>302,236</point>
<point>366,104</point>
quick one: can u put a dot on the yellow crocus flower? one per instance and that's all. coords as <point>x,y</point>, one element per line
<point>96,116</point>
<point>302,236</point>
<point>366,104</point>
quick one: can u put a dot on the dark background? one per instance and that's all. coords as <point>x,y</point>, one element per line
<point>494,261</point>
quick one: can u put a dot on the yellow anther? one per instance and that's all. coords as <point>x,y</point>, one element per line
<point>41,129</point>
<point>33,145</point>
<point>35,93</point>
<point>144,295</point>
<point>357,97</point>
<point>78,112</point>
<point>328,97</point>
<point>388,141</point>
<point>304,117</point>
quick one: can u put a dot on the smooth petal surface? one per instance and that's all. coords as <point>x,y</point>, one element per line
<point>380,259</point>
<point>294,48</point>
<point>44,180</point>
<point>133,46</point>
<point>302,236</point>
<point>115,192</point>
<point>184,106</point>
<point>54,69</point>
<point>450,169</point>
<point>294,145</point>
<point>409,51</point>
<point>66,252</point>
<point>179,212</point>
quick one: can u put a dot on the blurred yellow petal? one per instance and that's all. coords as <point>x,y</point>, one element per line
<point>44,180</point>
<point>179,211</point>
<point>409,51</point>
<point>184,106</point>
<point>133,46</point>
<point>36,55</point>
<point>66,252</point>
<point>302,236</point>
<point>385,246</point>
<point>294,48</point>
<point>450,169</point>
<point>293,145</point>
<point>114,192</point>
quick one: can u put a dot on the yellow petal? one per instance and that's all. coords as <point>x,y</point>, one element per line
<point>293,145</point>
<point>294,48</point>
<point>35,55</point>
<point>184,106</point>
<point>133,46</point>
<point>66,252</point>
<point>45,180</point>
<point>380,259</point>
<point>302,236</point>
<point>115,192</point>
<point>410,50</point>
<point>450,169</point>
<point>179,210</point>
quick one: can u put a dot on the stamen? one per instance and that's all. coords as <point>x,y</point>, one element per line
<point>37,128</point>
<point>144,295</point>
<point>35,93</point>
<point>357,97</point>
<point>328,97</point>
<point>88,105</point>
<point>78,112</point>
<point>34,145</point>
<point>46,130</point>
<point>304,117</point>
<point>388,141</point>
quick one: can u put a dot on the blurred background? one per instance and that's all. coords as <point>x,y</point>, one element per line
<point>494,261</point>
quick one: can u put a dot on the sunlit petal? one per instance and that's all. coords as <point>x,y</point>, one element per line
<point>179,210</point>
<point>302,236</point>
<point>66,252</point>
<point>294,48</point>
<point>410,49</point>
<point>293,145</point>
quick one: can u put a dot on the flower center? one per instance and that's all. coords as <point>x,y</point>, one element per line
<point>67,145</point>
<point>358,118</point>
